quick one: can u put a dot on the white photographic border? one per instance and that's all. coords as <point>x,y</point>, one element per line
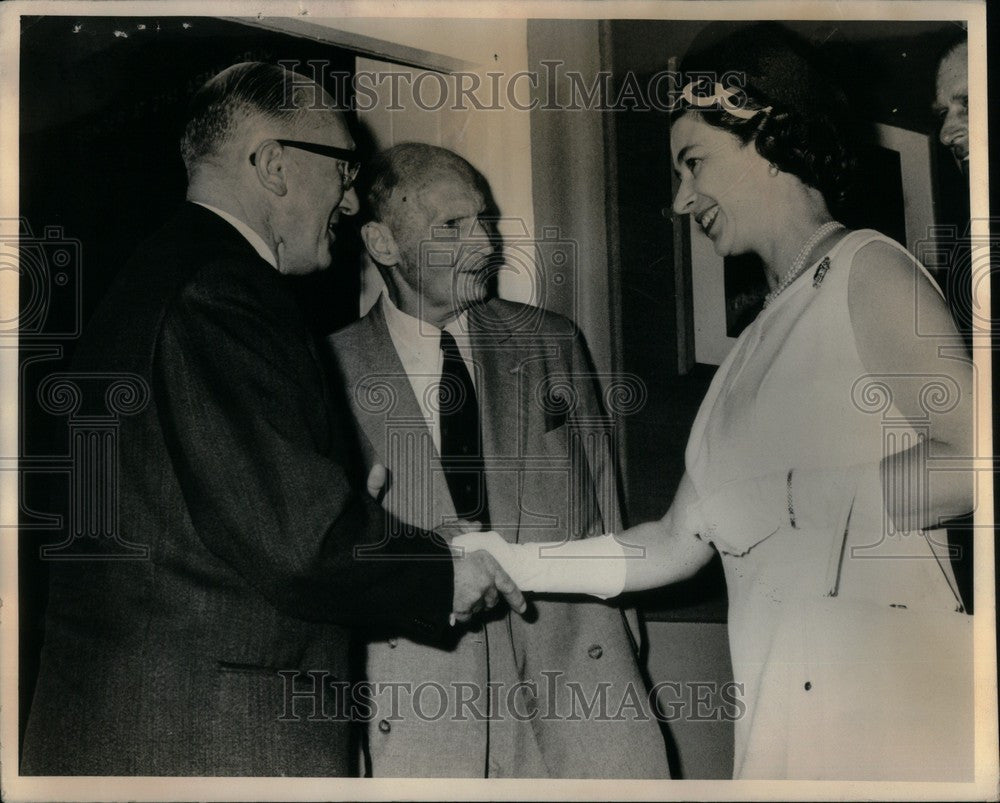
<point>357,16</point>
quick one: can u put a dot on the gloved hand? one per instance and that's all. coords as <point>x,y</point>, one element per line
<point>594,566</point>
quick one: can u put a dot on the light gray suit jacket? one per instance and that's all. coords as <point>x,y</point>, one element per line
<point>549,472</point>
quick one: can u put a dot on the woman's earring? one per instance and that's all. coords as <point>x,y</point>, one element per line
<point>773,169</point>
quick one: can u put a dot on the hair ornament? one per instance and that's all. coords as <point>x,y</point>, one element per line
<point>725,99</point>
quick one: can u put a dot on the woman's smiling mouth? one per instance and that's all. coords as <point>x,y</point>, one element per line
<point>707,218</point>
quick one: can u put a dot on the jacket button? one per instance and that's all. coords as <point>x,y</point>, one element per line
<point>392,643</point>
<point>807,685</point>
<point>384,725</point>
<point>595,651</point>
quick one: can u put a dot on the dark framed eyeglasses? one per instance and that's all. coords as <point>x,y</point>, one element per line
<point>349,158</point>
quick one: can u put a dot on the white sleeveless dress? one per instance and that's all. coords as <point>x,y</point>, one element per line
<point>853,651</point>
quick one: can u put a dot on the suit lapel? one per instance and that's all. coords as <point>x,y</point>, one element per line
<point>384,403</point>
<point>390,416</point>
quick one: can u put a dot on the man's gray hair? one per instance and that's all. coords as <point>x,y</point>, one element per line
<point>241,91</point>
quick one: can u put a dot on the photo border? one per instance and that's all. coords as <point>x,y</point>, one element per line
<point>18,788</point>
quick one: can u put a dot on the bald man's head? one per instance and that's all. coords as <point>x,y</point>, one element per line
<point>267,146</point>
<point>428,235</point>
<point>251,96</point>
<point>951,103</point>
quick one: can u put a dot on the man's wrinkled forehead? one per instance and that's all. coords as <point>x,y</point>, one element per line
<point>440,189</point>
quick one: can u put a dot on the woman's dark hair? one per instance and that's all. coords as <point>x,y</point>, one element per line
<point>803,122</point>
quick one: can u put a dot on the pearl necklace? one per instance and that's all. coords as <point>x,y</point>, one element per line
<point>800,263</point>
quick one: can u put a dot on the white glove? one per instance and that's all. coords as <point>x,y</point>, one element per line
<point>594,566</point>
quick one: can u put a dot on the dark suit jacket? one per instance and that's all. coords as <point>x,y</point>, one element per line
<point>235,476</point>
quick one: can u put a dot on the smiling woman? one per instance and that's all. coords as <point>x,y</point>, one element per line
<point>810,454</point>
<point>721,183</point>
<point>783,432</point>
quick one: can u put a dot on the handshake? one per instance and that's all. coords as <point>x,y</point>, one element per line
<point>480,581</point>
<point>487,567</point>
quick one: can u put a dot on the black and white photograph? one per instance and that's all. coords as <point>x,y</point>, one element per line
<point>571,400</point>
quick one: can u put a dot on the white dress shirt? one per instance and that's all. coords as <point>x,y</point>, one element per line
<point>418,345</point>
<point>251,236</point>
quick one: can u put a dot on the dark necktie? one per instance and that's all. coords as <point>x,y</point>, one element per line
<point>461,444</point>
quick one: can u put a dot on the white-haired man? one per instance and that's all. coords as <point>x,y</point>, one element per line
<point>491,414</point>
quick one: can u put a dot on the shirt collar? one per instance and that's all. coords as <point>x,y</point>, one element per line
<point>421,339</point>
<point>413,329</point>
<point>251,236</point>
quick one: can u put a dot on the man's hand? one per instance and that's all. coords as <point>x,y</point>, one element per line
<point>378,477</point>
<point>457,527</point>
<point>479,583</point>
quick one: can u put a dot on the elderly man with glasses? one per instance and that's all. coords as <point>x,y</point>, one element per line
<point>226,650</point>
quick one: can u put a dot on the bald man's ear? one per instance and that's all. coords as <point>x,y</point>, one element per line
<point>380,243</point>
<point>267,161</point>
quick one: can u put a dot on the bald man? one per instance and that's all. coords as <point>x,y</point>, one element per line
<point>225,650</point>
<point>951,106</point>
<point>951,102</point>
<point>491,415</point>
